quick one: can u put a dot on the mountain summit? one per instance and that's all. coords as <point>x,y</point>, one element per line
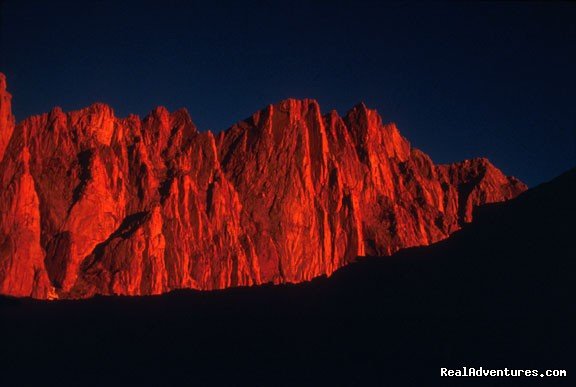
<point>95,204</point>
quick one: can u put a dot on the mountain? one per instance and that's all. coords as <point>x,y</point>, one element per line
<point>497,294</point>
<point>95,204</point>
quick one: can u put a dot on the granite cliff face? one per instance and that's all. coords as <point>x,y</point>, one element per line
<point>95,204</point>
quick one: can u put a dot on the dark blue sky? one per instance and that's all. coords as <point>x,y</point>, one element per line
<point>460,79</point>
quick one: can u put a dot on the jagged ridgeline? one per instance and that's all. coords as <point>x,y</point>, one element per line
<point>96,204</point>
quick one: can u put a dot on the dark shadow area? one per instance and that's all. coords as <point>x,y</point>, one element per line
<point>84,158</point>
<point>498,293</point>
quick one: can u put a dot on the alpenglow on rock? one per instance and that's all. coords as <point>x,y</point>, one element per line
<point>95,204</point>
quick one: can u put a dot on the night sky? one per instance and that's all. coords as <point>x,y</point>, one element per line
<point>460,79</point>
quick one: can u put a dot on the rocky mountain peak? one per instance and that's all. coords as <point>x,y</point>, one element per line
<point>95,204</point>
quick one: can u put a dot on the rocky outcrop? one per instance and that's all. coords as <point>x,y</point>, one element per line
<point>95,204</point>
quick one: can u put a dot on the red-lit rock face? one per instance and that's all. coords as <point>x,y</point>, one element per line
<point>94,204</point>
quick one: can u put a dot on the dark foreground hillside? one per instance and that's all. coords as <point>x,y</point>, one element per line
<point>497,294</point>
